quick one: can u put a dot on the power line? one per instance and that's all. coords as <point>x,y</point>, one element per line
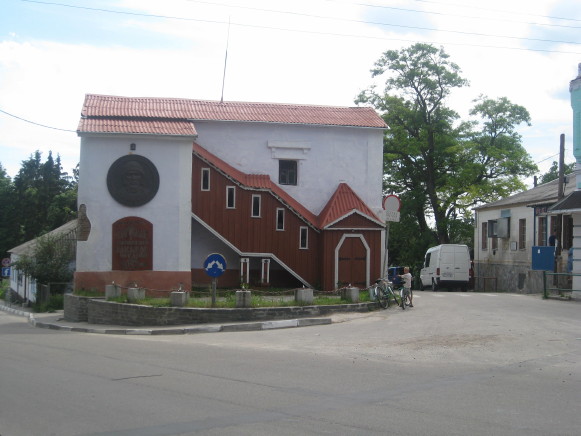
<point>367,5</point>
<point>327,33</point>
<point>520,12</point>
<point>36,124</point>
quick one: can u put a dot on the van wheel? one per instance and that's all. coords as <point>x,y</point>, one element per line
<point>434,286</point>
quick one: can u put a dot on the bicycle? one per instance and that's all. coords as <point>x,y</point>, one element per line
<point>405,298</point>
<point>382,291</point>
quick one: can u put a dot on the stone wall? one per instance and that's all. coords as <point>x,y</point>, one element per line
<point>99,311</point>
<point>510,278</point>
<point>77,308</point>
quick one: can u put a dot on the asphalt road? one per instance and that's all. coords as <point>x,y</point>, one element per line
<point>455,364</point>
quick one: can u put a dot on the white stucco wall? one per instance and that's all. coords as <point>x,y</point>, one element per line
<point>504,253</point>
<point>326,156</point>
<point>169,210</point>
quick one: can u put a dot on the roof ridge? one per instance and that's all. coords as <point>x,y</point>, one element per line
<point>229,102</point>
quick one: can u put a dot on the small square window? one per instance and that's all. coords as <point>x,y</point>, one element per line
<point>287,172</point>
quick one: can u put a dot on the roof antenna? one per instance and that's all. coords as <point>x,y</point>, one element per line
<point>225,61</point>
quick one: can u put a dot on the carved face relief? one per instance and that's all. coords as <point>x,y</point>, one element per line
<point>133,180</point>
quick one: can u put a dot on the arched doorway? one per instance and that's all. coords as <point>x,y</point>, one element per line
<point>352,261</point>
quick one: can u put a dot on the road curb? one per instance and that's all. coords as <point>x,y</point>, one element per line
<point>255,326</point>
<point>241,327</point>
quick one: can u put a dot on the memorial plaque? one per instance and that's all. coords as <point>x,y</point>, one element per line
<point>132,244</point>
<point>133,180</point>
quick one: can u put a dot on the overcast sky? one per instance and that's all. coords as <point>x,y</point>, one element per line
<point>319,52</point>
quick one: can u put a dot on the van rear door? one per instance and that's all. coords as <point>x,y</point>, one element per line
<point>462,264</point>
<point>447,263</point>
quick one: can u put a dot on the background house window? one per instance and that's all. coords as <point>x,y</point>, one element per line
<point>230,197</point>
<point>484,240</point>
<point>522,234</point>
<point>205,179</point>
<point>279,219</point>
<point>304,238</point>
<point>287,172</point>
<point>542,237</point>
<point>256,206</point>
<point>494,244</point>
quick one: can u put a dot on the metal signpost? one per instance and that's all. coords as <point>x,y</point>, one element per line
<point>6,267</point>
<point>215,265</point>
<point>391,205</point>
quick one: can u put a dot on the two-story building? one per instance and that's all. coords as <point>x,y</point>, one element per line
<point>289,195</point>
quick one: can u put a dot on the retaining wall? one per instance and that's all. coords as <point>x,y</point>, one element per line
<point>100,311</point>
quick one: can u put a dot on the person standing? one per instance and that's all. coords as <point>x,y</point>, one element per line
<point>407,284</point>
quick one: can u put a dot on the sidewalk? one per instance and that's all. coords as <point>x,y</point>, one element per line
<point>56,321</point>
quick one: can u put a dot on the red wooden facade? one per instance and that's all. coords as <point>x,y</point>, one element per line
<point>345,251</point>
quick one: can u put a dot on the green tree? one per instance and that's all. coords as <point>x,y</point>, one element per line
<point>553,172</point>
<point>9,234</point>
<point>439,165</point>
<point>50,261</point>
<point>45,196</point>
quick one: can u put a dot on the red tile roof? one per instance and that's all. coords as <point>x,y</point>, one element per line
<point>342,203</point>
<point>132,126</point>
<point>101,107</point>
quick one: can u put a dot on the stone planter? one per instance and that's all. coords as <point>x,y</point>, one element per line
<point>178,298</point>
<point>243,299</point>
<point>350,294</point>
<point>112,291</point>
<point>304,296</point>
<point>134,294</point>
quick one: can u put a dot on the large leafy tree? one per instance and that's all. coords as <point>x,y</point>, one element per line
<point>442,166</point>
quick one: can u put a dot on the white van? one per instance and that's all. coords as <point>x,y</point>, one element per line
<point>446,266</point>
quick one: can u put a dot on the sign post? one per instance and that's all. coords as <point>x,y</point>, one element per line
<point>215,265</point>
<point>6,267</point>
<point>391,205</point>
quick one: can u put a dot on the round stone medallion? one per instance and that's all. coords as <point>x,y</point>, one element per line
<point>133,180</point>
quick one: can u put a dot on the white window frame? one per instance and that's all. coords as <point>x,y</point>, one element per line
<point>207,172</point>
<point>233,190</point>
<point>256,197</point>
<point>279,211</point>
<point>304,229</point>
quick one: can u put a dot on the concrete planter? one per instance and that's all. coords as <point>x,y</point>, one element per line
<point>178,298</point>
<point>304,296</point>
<point>112,291</point>
<point>243,299</point>
<point>350,294</point>
<point>135,294</point>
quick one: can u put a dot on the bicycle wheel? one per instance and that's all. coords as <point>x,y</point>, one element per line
<point>389,295</point>
<point>382,297</point>
<point>402,298</point>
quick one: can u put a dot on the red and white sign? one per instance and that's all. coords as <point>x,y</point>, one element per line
<point>391,205</point>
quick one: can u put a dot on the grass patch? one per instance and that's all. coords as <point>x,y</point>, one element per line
<point>227,299</point>
<point>88,293</point>
<point>54,303</point>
